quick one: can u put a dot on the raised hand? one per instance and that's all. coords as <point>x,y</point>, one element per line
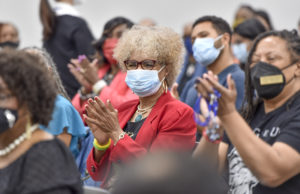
<point>227,100</point>
<point>104,118</point>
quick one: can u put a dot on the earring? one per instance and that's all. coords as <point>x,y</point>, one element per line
<point>165,86</point>
<point>28,128</point>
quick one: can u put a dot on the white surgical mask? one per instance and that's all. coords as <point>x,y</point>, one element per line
<point>143,82</point>
<point>240,52</point>
<point>204,50</point>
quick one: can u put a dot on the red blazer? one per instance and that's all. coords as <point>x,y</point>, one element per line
<point>117,92</point>
<point>170,125</point>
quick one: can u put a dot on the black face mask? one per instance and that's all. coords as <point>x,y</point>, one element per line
<point>8,118</point>
<point>268,80</point>
<point>9,44</point>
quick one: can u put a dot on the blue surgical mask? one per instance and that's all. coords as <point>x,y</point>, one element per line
<point>143,82</point>
<point>204,50</point>
<point>240,52</point>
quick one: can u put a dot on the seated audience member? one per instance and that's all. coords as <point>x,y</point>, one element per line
<point>66,123</point>
<point>264,18</point>
<point>245,33</point>
<point>9,36</point>
<point>261,148</point>
<point>103,78</point>
<point>31,160</point>
<point>152,57</point>
<point>211,37</point>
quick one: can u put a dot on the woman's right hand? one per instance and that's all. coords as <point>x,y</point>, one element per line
<point>76,70</point>
<point>209,82</point>
<point>101,136</point>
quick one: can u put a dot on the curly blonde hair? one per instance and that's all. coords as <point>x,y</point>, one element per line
<point>160,42</point>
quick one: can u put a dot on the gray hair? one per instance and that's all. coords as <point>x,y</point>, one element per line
<point>49,63</point>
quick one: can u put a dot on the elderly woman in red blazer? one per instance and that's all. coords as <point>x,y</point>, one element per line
<point>103,77</point>
<point>152,57</point>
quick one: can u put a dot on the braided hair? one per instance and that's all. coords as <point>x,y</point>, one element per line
<point>293,44</point>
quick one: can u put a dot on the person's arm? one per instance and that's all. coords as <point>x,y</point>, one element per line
<point>65,137</point>
<point>272,164</point>
<point>176,132</point>
<point>216,153</point>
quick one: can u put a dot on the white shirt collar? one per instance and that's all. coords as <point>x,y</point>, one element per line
<point>61,8</point>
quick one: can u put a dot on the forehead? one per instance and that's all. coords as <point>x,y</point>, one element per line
<point>120,28</point>
<point>8,29</point>
<point>139,56</point>
<point>271,44</point>
<point>204,27</point>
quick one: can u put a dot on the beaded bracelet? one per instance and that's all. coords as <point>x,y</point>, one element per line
<point>99,147</point>
<point>214,138</point>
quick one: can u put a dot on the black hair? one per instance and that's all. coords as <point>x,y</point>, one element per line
<point>29,81</point>
<point>293,44</point>
<point>48,19</point>
<point>219,24</point>
<point>250,28</point>
<point>169,173</point>
<point>109,26</point>
<point>264,14</point>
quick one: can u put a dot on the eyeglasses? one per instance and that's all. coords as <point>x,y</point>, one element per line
<point>147,64</point>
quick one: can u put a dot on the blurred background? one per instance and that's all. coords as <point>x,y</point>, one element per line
<point>173,13</point>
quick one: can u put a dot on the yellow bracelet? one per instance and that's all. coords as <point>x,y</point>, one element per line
<point>99,147</point>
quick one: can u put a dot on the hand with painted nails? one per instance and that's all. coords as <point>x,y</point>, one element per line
<point>84,71</point>
<point>103,120</point>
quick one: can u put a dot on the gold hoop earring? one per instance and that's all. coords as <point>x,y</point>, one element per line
<point>28,128</point>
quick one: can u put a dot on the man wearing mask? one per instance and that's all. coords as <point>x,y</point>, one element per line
<point>9,36</point>
<point>211,37</point>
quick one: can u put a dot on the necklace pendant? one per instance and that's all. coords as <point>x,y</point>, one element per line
<point>138,118</point>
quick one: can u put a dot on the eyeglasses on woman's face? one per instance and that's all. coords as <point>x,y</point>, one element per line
<point>146,64</point>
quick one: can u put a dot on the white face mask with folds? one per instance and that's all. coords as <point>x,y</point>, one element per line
<point>143,82</point>
<point>204,50</point>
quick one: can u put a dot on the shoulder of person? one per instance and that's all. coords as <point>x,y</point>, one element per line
<point>72,21</point>
<point>172,106</point>
<point>49,165</point>
<point>237,72</point>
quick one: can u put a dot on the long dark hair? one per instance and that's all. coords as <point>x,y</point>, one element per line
<point>293,44</point>
<point>109,26</point>
<point>48,19</point>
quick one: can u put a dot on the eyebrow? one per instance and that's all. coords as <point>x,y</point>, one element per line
<point>202,33</point>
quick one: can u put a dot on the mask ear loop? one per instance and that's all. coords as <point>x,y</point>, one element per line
<point>217,39</point>
<point>294,76</point>
<point>164,82</point>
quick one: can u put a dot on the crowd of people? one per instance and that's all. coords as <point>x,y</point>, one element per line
<point>142,109</point>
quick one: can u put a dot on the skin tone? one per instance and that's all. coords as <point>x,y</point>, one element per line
<point>271,164</point>
<point>9,33</point>
<point>103,119</point>
<point>86,73</point>
<point>18,129</point>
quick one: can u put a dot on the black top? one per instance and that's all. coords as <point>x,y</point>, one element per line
<point>280,125</point>
<point>132,128</point>
<point>48,167</point>
<point>71,38</point>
